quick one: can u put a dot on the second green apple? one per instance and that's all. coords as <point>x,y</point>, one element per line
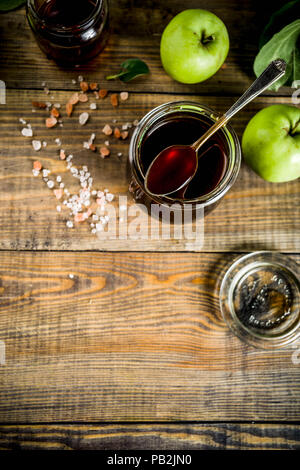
<point>271,143</point>
<point>193,46</point>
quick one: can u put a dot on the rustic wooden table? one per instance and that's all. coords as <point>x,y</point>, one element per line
<point>131,351</point>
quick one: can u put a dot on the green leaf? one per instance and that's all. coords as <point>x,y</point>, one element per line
<point>280,18</point>
<point>283,45</point>
<point>130,69</point>
<point>7,5</point>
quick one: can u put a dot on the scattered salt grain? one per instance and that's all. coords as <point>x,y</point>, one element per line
<point>80,78</point>
<point>124,135</point>
<point>71,276</point>
<point>44,143</point>
<point>51,122</point>
<point>93,86</point>
<point>107,130</point>
<point>58,193</point>
<point>109,197</point>
<point>22,121</point>
<point>69,224</point>
<point>37,145</point>
<point>124,95</point>
<point>114,100</point>
<point>74,98</point>
<point>58,208</point>
<point>58,141</point>
<point>62,154</point>
<point>27,132</point>
<point>135,122</point>
<point>84,86</point>
<point>83,118</point>
<point>83,97</point>
<point>104,152</point>
<point>37,165</point>
<point>117,132</point>
<point>50,184</point>
<point>93,106</point>
<point>103,93</point>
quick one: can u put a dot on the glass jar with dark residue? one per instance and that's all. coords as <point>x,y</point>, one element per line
<point>260,299</point>
<point>69,32</point>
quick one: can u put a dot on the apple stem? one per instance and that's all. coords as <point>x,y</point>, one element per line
<point>206,40</point>
<point>295,128</point>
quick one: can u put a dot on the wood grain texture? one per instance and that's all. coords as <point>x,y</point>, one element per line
<point>254,214</point>
<point>131,337</point>
<point>23,65</point>
<point>185,436</point>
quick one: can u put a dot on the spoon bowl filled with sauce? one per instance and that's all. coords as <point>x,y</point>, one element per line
<point>178,166</point>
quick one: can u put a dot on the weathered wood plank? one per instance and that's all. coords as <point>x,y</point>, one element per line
<point>23,65</point>
<point>131,337</point>
<point>254,214</point>
<point>185,436</point>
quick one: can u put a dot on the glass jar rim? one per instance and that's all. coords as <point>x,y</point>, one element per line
<point>85,24</point>
<point>231,137</point>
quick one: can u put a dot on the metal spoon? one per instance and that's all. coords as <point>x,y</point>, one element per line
<point>174,167</point>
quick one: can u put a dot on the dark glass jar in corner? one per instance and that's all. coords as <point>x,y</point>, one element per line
<point>69,32</point>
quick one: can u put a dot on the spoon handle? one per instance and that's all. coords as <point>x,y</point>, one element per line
<point>271,74</point>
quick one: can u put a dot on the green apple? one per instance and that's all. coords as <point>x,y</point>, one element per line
<point>271,143</point>
<point>193,46</point>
